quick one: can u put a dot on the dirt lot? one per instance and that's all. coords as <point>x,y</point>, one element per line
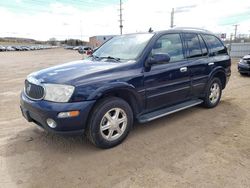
<point>193,148</point>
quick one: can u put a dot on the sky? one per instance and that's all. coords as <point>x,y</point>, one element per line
<point>81,19</point>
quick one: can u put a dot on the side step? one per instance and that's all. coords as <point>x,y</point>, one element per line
<point>169,110</point>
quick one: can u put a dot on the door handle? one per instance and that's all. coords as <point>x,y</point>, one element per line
<point>210,64</point>
<point>183,69</point>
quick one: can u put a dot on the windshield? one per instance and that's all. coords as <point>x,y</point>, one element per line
<point>124,47</point>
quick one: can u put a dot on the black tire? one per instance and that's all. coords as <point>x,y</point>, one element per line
<point>243,74</point>
<point>104,106</point>
<point>208,102</point>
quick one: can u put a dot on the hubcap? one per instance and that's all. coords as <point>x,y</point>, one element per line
<point>214,93</point>
<point>113,124</point>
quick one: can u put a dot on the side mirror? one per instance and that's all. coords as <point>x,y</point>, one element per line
<point>158,58</point>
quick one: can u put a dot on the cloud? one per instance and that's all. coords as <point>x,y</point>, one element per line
<point>66,21</point>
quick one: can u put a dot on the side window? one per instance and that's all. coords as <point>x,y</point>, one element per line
<point>169,44</point>
<point>193,45</point>
<point>203,46</point>
<point>215,45</point>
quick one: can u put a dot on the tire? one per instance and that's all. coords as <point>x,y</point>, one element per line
<point>110,122</point>
<point>243,74</point>
<point>212,98</point>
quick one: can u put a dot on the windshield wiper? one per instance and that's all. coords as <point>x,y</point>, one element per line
<point>94,57</point>
<point>110,57</point>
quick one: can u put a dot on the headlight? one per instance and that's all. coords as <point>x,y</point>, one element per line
<point>58,92</point>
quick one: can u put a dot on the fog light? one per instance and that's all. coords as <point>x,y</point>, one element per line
<point>68,114</point>
<point>51,123</point>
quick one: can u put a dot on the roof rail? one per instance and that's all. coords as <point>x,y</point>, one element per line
<point>193,28</point>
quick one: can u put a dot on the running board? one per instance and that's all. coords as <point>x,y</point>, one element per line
<point>169,110</point>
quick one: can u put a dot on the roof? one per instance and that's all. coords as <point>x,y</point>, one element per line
<point>186,29</point>
<point>177,29</point>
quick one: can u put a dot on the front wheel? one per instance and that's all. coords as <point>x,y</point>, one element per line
<point>213,93</point>
<point>110,122</point>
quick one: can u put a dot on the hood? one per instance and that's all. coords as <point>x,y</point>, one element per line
<point>66,73</point>
<point>246,57</point>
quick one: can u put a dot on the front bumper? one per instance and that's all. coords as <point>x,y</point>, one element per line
<point>39,111</point>
<point>244,68</point>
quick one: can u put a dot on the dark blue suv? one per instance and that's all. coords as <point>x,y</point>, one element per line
<point>131,77</point>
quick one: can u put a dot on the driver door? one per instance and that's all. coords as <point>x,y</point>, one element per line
<point>167,83</point>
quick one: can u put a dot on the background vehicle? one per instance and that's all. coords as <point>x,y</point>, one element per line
<point>131,77</point>
<point>10,48</point>
<point>84,50</point>
<point>2,48</point>
<point>244,65</point>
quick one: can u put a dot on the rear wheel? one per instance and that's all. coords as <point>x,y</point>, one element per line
<point>213,93</point>
<point>110,122</point>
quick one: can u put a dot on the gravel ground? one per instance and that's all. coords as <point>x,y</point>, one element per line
<point>194,148</point>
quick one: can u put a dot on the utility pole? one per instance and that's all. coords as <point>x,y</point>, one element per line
<point>230,43</point>
<point>121,26</point>
<point>172,18</point>
<point>81,29</point>
<point>235,31</point>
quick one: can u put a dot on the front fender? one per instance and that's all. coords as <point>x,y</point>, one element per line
<point>111,87</point>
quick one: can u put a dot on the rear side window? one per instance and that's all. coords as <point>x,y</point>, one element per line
<point>215,44</point>
<point>203,46</point>
<point>193,45</point>
<point>169,44</point>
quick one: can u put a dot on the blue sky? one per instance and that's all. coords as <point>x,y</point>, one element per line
<point>44,19</point>
<point>236,18</point>
<point>32,6</point>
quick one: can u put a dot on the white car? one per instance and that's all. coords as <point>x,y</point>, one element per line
<point>2,48</point>
<point>10,48</point>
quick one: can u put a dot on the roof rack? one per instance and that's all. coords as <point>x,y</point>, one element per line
<point>193,28</point>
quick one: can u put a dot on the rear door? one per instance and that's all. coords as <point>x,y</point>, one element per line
<point>167,83</point>
<point>218,53</point>
<point>199,63</point>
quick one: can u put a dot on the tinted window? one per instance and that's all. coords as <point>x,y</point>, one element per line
<point>215,44</point>
<point>203,46</point>
<point>193,45</point>
<point>169,44</point>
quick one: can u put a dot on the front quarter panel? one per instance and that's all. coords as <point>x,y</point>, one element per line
<point>95,87</point>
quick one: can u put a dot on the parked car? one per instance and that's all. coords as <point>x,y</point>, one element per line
<point>76,47</point>
<point>17,48</point>
<point>2,48</point>
<point>131,77</point>
<point>25,48</point>
<point>244,65</point>
<point>10,48</point>
<point>84,50</point>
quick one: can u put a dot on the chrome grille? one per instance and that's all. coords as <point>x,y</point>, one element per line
<point>34,91</point>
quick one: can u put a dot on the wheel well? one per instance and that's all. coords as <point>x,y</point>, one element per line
<point>222,78</point>
<point>125,95</point>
